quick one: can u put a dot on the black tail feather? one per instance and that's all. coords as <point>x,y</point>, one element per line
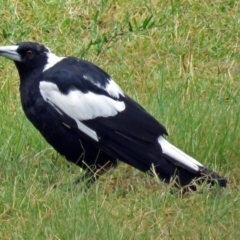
<point>187,178</point>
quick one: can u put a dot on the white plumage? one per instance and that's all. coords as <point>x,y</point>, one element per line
<point>178,155</point>
<point>79,105</point>
<point>113,89</point>
<point>52,60</point>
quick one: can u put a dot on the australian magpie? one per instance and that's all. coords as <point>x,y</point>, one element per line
<point>86,117</point>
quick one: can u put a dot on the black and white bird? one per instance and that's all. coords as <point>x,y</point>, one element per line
<point>86,117</point>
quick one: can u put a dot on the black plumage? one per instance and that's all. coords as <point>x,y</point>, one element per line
<point>87,118</point>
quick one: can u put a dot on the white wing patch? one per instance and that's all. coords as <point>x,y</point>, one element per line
<point>178,155</point>
<point>81,106</point>
<point>91,133</point>
<point>52,60</point>
<point>113,89</point>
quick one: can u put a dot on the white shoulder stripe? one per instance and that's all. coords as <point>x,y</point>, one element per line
<point>81,106</point>
<point>113,89</point>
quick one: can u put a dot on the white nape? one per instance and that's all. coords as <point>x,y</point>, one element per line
<point>52,59</point>
<point>178,155</point>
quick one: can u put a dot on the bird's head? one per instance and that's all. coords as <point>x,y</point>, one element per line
<point>27,56</point>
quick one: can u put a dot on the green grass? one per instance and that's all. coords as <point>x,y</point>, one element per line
<point>181,61</point>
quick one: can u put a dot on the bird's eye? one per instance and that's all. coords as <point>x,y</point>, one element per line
<point>29,53</point>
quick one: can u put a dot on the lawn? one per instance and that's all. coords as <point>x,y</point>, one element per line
<point>181,61</point>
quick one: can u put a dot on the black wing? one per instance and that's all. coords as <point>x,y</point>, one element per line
<point>91,103</point>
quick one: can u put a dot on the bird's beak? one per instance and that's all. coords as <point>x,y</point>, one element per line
<point>10,52</point>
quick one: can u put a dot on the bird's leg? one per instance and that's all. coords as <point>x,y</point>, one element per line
<point>93,173</point>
